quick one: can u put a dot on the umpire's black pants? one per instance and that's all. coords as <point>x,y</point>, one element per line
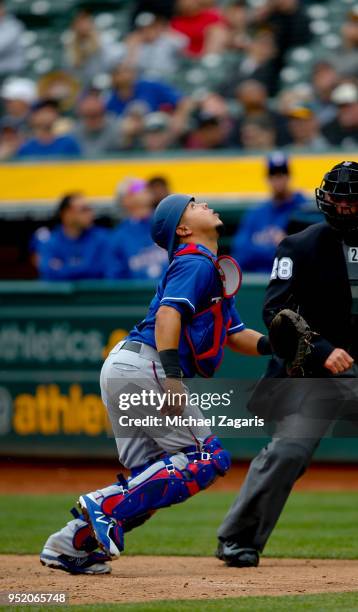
<point>272,474</point>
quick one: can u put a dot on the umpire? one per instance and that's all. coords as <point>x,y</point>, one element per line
<point>315,273</point>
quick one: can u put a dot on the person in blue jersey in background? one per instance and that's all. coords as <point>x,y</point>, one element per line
<point>132,251</point>
<point>76,248</point>
<point>190,319</point>
<point>44,141</point>
<point>263,228</point>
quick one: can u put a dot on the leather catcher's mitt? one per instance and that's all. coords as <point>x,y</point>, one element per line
<point>290,337</point>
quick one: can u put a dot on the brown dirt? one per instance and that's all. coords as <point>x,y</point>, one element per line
<point>64,477</point>
<point>165,578</point>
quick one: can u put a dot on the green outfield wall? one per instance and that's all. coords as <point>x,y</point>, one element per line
<point>53,339</point>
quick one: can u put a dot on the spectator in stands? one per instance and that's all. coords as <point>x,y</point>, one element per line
<point>18,95</point>
<point>345,58</point>
<point>263,228</point>
<point>237,18</point>
<point>10,138</point>
<point>97,131</point>
<point>211,131</point>
<point>205,28</point>
<point>304,130</point>
<point>259,62</point>
<point>77,249</point>
<point>86,52</point>
<point>12,58</point>
<point>164,8</point>
<point>288,21</point>
<point>126,88</point>
<point>159,189</point>
<point>343,129</point>
<point>257,134</point>
<point>45,142</point>
<point>153,48</point>
<point>132,252</point>
<point>252,98</point>
<point>131,127</point>
<point>324,80</point>
<point>157,134</point>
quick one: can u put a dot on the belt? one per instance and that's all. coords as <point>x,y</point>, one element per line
<point>135,347</point>
<point>144,350</point>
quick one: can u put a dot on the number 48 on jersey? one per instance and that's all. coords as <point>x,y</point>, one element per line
<point>282,268</point>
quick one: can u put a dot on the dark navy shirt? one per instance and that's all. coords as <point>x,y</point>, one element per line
<point>190,285</point>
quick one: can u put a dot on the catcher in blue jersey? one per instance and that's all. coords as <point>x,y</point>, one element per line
<point>190,320</point>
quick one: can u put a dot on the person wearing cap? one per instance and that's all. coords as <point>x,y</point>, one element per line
<point>158,134</point>
<point>18,95</point>
<point>153,48</point>
<point>343,129</point>
<point>304,130</point>
<point>132,253</point>
<point>190,319</point>
<point>45,142</point>
<point>76,248</point>
<point>263,228</point>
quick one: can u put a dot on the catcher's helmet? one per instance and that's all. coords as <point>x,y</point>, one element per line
<point>165,220</point>
<point>340,186</point>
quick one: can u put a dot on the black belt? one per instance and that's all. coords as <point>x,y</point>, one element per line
<point>135,347</point>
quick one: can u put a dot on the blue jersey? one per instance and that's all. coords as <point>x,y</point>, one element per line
<point>153,94</point>
<point>62,146</point>
<point>132,253</point>
<point>254,245</point>
<point>191,285</point>
<point>65,258</point>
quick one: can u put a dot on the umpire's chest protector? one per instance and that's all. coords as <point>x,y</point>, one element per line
<point>206,332</point>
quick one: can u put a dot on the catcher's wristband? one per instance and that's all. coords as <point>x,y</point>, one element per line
<point>170,362</point>
<point>264,346</point>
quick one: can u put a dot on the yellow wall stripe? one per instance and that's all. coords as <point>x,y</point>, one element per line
<point>215,175</point>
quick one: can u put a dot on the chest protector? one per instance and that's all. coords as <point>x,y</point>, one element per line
<point>206,332</point>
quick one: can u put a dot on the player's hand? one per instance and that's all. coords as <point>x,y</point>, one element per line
<point>177,396</point>
<point>338,361</point>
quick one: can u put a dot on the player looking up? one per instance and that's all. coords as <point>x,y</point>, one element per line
<point>190,318</point>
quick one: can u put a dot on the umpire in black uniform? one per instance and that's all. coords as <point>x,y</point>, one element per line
<point>315,273</point>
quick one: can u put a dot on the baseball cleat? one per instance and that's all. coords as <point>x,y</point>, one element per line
<point>93,563</point>
<point>107,531</point>
<point>234,556</point>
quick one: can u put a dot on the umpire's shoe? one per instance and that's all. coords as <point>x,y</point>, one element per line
<point>235,556</point>
<point>107,531</point>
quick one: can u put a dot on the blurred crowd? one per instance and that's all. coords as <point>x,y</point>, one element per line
<point>76,248</point>
<point>106,98</point>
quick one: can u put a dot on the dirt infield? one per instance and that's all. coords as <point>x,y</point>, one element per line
<point>156,578</point>
<point>54,477</point>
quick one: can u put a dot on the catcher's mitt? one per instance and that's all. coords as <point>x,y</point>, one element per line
<point>290,337</point>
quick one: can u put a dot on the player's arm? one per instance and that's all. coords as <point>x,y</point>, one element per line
<point>167,335</point>
<point>243,340</point>
<point>167,328</point>
<point>249,342</point>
